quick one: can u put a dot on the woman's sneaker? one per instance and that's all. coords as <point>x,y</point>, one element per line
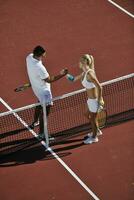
<point>91,140</point>
<point>99,132</point>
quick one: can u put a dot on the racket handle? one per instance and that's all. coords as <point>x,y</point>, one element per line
<point>70,77</point>
<point>26,85</point>
<point>22,88</point>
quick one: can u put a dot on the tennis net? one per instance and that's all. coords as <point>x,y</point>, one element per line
<point>67,115</point>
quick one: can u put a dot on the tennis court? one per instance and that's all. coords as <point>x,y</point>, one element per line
<point>69,169</point>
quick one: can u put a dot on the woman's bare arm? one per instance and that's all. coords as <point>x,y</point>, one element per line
<point>92,77</point>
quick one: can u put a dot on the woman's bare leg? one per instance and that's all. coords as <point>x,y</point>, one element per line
<point>94,124</point>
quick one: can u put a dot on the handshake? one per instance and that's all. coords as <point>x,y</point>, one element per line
<point>68,76</point>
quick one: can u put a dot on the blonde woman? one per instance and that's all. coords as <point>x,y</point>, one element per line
<point>94,94</point>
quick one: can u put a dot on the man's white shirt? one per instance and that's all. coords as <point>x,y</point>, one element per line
<point>37,73</point>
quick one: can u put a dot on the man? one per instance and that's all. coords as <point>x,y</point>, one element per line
<point>40,81</point>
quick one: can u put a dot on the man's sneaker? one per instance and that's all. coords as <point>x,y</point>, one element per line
<point>41,136</point>
<point>91,140</point>
<point>51,138</point>
<point>34,124</point>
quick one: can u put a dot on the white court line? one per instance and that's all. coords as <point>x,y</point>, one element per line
<point>53,153</point>
<point>125,11</point>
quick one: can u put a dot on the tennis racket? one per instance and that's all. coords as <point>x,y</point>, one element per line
<point>22,88</point>
<point>102,118</point>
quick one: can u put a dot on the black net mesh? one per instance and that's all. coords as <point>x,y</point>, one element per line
<point>67,115</point>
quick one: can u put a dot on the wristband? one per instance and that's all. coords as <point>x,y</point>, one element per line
<point>70,77</point>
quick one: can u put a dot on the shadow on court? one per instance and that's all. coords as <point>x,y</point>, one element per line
<point>35,152</point>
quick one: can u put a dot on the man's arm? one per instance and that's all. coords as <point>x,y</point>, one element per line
<point>51,79</point>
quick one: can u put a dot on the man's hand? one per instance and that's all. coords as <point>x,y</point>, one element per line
<point>64,71</point>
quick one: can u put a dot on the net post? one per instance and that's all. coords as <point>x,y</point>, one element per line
<point>45,125</point>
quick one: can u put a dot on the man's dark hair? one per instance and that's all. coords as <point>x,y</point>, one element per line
<point>38,51</point>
